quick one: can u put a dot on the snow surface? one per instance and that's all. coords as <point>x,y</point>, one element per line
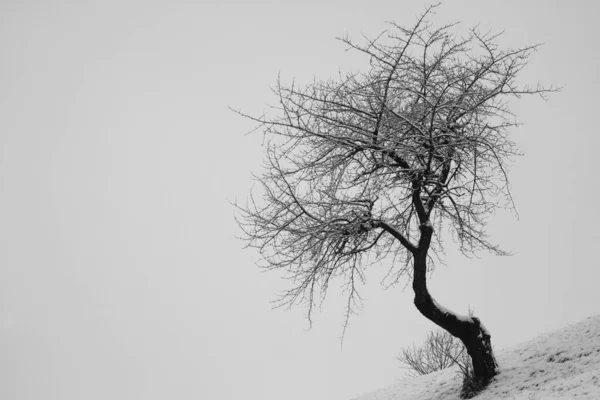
<point>446,311</point>
<point>564,364</point>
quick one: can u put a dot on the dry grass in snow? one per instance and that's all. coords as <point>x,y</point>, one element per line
<point>564,364</point>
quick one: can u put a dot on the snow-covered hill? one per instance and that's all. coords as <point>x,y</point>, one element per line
<point>564,364</point>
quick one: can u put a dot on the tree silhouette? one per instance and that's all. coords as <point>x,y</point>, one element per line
<point>375,166</point>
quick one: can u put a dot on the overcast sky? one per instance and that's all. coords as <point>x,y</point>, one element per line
<point>120,273</point>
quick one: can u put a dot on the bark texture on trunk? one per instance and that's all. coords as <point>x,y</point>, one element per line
<point>469,330</point>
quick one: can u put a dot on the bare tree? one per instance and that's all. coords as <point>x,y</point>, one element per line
<point>440,350</point>
<point>369,165</point>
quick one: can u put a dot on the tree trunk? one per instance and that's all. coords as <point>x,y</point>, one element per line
<point>469,330</point>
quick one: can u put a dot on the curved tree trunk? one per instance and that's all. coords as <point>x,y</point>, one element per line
<point>469,330</point>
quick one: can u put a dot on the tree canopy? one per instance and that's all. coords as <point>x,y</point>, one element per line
<point>359,166</point>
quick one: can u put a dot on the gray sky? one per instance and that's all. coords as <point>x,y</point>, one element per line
<point>120,276</point>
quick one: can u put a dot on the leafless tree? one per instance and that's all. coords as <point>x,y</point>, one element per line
<point>440,350</point>
<point>366,167</point>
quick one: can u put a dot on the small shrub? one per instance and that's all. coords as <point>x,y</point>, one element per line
<point>439,351</point>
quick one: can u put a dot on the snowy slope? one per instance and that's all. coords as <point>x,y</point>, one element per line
<point>564,364</point>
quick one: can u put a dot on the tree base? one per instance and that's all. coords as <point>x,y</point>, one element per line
<point>471,386</point>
